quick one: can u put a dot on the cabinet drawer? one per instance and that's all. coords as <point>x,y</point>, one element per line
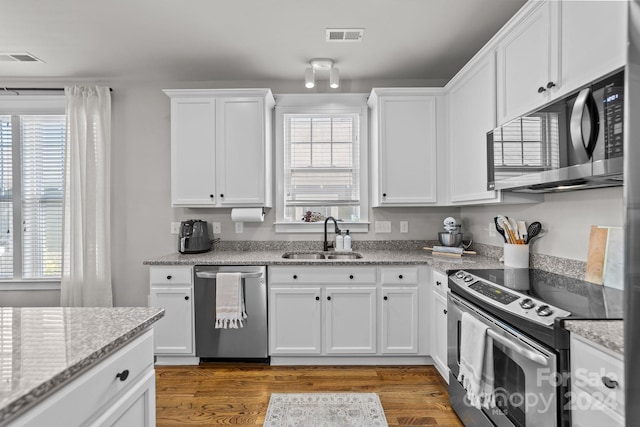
<point>170,275</point>
<point>399,275</point>
<point>87,396</point>
<point>591,368</point>
<point>320,275</point>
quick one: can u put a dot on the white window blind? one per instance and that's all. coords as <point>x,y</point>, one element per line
<point>321,166</point>
<point>6,197</point>
<point>43,144</point>
<point>31,154</point>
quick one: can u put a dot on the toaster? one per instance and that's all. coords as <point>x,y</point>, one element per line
<point>194,237</point>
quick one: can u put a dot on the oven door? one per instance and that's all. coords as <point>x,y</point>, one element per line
<point>525,374</point>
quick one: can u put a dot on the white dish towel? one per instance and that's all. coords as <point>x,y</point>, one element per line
<point>476,362</point>
<point>230,308</point>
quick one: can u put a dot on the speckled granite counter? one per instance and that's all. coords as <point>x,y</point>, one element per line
<point>46,347</point>
<point>607,333</point>
<point>377,257</point>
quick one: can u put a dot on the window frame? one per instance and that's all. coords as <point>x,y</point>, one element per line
<point>14,105</point>
<point>321,104</point>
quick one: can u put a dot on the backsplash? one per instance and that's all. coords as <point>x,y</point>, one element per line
<point>564,266</point>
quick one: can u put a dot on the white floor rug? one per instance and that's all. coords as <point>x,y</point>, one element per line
<point>325,410</point>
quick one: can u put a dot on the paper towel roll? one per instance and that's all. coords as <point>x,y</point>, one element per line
<point>247,215</point>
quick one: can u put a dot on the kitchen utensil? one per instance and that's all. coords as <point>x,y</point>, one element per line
<point>450,239</point>
<point>500,229</point>
<point>504,222</point>
<point>522,230</point>
<point>514,227</point>
<point>534,229</point>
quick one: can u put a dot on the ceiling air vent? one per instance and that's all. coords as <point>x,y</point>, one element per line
<point>345,34</point>
<point>18,57</point>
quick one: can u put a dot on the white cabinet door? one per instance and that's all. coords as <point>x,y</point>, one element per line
<point>173,333</point>
<point>404,150</point>
<point>294,320</point>
<point>471,116</point>
<point>528,62</point>
<point>350,323</point>
<point>400,320</point>
<point>241,152</point>
<point>439,349</point>
<point>588,27</point>
<point>221,147</point>
<point>193,152</point>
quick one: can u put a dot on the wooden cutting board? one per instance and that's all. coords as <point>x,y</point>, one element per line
<point>596,254</point>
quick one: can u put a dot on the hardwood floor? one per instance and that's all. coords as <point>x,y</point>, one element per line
<point>238,394</point>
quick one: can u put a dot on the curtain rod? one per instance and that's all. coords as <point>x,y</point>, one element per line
<point>22,89</point>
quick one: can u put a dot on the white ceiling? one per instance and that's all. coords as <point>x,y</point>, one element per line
<point>200,40</point>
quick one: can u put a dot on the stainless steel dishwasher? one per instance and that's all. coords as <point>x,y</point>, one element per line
<point>249,343</point>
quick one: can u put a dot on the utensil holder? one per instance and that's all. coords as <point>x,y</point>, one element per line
<point>516,256</point>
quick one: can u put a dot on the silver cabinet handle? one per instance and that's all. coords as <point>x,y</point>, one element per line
<point>525,352</point>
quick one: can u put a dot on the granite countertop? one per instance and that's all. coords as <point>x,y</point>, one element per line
<point>369,257</point>
<point>607,333</point>
<point>43,348</point>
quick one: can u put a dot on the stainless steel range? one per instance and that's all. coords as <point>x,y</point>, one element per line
<point>524,311</point>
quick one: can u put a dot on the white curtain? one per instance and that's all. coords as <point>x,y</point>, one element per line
<point>86,261</point>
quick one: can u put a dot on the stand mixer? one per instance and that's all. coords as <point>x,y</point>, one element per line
<point>452,236</point>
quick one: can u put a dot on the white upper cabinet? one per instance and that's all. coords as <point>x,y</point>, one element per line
<point>403,146</point>
<point>593,39</point>
<point>221,147</point>
<point>471,115</point>
<point>527,58</point>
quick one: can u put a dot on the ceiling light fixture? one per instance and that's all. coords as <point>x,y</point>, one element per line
<point>321,64</point>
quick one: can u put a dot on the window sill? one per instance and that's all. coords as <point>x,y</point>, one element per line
<point>29,285</point>
<point>318,227</point>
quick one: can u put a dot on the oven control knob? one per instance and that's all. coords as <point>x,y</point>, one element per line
<point>468,278</point>
<point>544,310</point>
<point>527,303</point>
<point>460,274</point>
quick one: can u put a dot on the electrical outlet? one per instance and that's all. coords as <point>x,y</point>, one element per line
<point>492,229</point>
<point>383,226</point>
<point>239,227</point>
<point>217,229</point>
<point>175,228</point>
<point>404,226</point>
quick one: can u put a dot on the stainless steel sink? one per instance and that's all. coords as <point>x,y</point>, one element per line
<point>303,255</point>
<point>321,255</point>
<point>352,255</point>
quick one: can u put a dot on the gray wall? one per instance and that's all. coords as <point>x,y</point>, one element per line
<point>566,217</point>
<point>142,213</point>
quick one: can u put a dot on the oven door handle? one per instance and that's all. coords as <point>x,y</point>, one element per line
<point>525,352</point>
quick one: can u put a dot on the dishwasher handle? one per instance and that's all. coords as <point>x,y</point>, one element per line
<point>212,275</point>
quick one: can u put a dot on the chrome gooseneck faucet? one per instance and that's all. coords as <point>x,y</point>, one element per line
<point>335,221</point>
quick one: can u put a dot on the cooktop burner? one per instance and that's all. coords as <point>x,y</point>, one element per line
<point>540,296</point>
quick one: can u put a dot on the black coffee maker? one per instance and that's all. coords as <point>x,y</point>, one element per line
<point>194,237</point>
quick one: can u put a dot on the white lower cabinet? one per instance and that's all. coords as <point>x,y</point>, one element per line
<point>439,323</point>
<point>400,320</point>
<point>346,311</point>
<point>294,320</point>
<point>350,322</point>
<point>118,391</point>
<point>172,289</point>
<point>597,385</point>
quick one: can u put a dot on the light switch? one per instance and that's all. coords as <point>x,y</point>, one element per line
<point>239,227</point>
<point>383,226</point>
<point>175,228</point>
<point>404,226</point>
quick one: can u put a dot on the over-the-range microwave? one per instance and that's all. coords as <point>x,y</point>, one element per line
<point>573,143</point>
